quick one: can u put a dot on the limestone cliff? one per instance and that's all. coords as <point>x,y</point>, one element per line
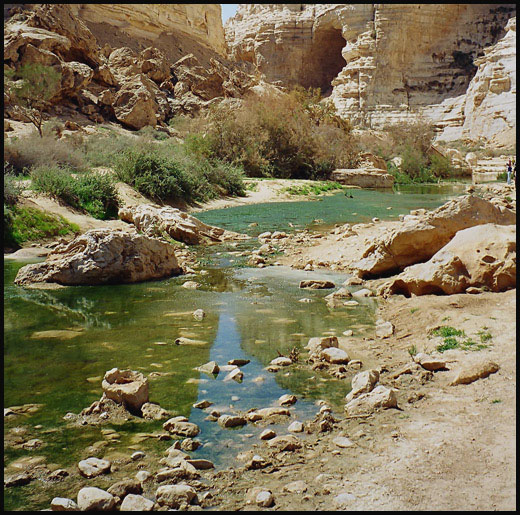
<point>175,29</point>
<point>380,62</point>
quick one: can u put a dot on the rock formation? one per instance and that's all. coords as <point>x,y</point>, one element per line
<point>177,224</point>
<point>420,237</point>
<point>381,63</point>
<point>104,256</point>
<point>482,256</point>
<point>135,64</point>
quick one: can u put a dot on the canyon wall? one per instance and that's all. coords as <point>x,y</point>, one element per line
<point>172,28</point>
<point>381,63</point>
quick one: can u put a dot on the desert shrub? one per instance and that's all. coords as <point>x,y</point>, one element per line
<point>31,151</point>
<point>152,175</point>
<point>97,195</point>
<point>12,189</point>
<point>92,192</point>
<point>104,149</point>
<point>23,224</point>
<point>291,135</point>
<point>56,182</point>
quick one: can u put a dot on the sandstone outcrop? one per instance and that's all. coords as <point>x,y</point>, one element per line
<point>104,256</point>
<point>420,237</point>
<point>482,256</point>
<point>382,63</point>
<point>152,220</point>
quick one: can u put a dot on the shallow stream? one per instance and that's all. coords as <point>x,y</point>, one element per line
<point>59,343</point>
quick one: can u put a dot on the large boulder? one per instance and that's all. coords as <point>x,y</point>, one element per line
<point>179,225</point>
<point>420,237</point>
<point>136,104</point>
<point>104,256</point>
<point>154,65</point>
<point>126,387</point>
<point>482,256</point>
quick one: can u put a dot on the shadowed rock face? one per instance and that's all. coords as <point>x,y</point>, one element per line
<point>419,238</point>
<point>483,256</point>
<point>104,256</point>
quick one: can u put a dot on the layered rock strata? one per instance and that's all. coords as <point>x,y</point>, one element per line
<point>382,63</point>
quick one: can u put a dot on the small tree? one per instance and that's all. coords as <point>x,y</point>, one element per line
<point>34,86</point>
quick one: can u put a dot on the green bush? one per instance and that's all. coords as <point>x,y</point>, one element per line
<point>95,193</point>
<point>440,166</point>
<point>22,224</point>
<point>173,173</point>
<point>151,175</point>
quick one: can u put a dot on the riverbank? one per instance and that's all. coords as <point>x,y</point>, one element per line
<point>445,447</point>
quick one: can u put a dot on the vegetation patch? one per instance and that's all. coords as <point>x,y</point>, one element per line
<point>23,224</point>
<point>313,189</point>
<point>92,192</point>
<point>452,339</point>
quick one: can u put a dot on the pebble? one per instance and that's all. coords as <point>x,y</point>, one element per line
<point>137,455</point>
<point>202,404</point>
<point>92,467</point>
<point>343,442</point>
<point>343,499</point>
<point>267,434</point>
<point>295,427</point>
<point>134,502</point>
<point>63,504</point>
<point>296,487</point>
<point>143,475</point>
<point>91,498</point>
<point>199,314</point>
<point>287,400</point>
<point>265,499</point>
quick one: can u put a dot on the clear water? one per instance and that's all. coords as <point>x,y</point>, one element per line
<point>251,313</point>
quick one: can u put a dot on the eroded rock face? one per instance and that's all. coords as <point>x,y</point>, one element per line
<point>420,237</point>
<point>137,104</point>
<point>482,256</point>
<point>177,224</point>
<point>104,256</point>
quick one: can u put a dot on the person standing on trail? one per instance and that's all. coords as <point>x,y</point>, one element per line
<point>509,171</point>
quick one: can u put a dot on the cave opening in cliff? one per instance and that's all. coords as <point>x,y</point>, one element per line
<point>325,60</point>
